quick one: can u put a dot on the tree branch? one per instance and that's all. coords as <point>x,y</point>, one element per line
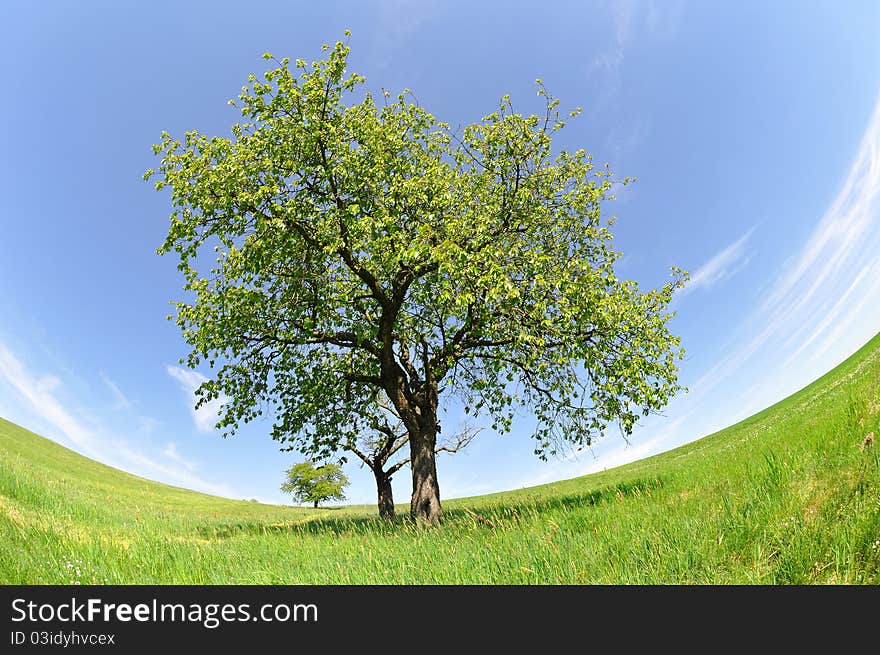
<point>394,469</point>
<point>459,441</point>
<point>407,362</point>
<point>375,380</point>
<point>361,455</point>
<point>346,339</point>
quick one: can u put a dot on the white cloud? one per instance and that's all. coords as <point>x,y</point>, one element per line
<point>822,307</point>
<point>622,13</point>
<point>833,315</point>
<point>397,22</point>
<point>624,138</point>
<point>47,384</point>
<point>154,470</point>
<point>602,457</point>
<point>205,416</point>
<point>121,403</point>
<point>38,394</point>
<point>723,265</point>
<point>663,17</point>
<point>147,424</point>
<point>171,453</point>
<point>473,486</point>
<point>608,64</point>
<point>827,285</point>
<point>628,22</point>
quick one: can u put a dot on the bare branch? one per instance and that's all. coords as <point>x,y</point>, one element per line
<point>459,440</point>
<point>394,469</point>
<point>360,454</point>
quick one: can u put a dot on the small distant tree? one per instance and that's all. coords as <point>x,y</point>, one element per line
<point>310,484</point>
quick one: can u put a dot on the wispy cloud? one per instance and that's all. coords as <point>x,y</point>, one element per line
<point>608,64</point>
<point>721,266</point>
<point>397,22</point>
<point>171,453</point>
<point>629,21</point>
<point>663,17</point>
<point>460,487</point>
<point>38,394</point>
<point>622,14</point>
<point>121,403</point>
<point>625,138</point>
<point>205,417</point>
<point>829,284</point>
<point>591,460</point>
<point>171,474</point>
<point>823,305</point>
<point>147,424</point>
<point>833,314</point>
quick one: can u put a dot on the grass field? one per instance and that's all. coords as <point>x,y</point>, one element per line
<point>790,495</point>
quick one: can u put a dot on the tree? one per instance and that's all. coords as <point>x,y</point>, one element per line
<point>368,253</point>
<point>310,484</point>
<point>380,446</point>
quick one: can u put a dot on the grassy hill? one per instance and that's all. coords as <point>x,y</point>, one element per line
<point>790,495</point>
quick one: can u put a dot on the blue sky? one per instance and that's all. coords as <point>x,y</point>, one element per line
<point>753,129</point>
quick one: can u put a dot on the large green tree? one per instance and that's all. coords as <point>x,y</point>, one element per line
<point>367,253</point>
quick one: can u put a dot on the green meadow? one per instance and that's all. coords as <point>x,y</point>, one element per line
<point>788,496</point>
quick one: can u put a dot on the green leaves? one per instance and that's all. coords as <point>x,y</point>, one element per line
<point>367,255</point>
<point>310,484</point>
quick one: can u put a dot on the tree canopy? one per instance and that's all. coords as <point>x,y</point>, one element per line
<point>366,254</point>
<point>310,484</point>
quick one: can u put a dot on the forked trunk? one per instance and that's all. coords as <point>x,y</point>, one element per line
<point>386,494</point>
<point>425,503</point>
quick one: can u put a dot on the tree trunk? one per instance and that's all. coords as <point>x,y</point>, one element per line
<point>316,504</point>
<point>385,493</point>
<point>425,503</point>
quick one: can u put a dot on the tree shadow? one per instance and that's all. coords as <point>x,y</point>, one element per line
<point>317,525</point>
<point>489,515</point>
<point>514,508</point>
